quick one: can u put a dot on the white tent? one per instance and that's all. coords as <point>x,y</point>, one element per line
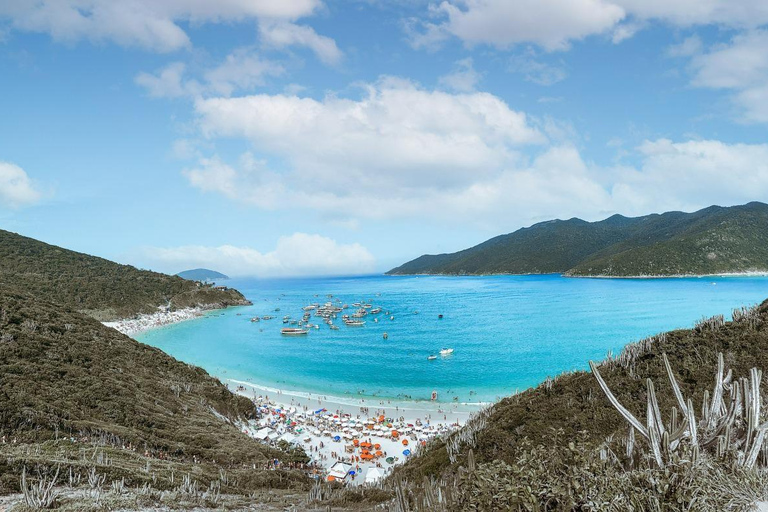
<point>288,438</point>
<point>372,475</point>
<point>339,470</point>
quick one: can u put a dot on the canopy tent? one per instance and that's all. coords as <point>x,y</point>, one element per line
<point>373,475</point>
<point>339,470</point>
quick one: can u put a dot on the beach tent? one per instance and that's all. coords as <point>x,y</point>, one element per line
<point>288,438</point>
<point>372,475</point>
<point>339,470</point>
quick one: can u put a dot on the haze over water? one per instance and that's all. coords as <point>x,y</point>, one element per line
<point>509,332</point>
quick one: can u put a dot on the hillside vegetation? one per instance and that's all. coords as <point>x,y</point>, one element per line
<point>714,240</point>
<point>100,288</point>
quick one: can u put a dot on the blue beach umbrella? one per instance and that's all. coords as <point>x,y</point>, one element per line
<point>406,452</point>
<point>352,473</point>
<point>336,438</point>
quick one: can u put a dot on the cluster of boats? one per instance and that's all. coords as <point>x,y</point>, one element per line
<point>329,312</point>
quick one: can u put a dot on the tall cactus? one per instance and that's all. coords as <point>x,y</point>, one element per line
<point>729,427</point>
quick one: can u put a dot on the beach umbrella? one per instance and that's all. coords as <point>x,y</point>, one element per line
<point>379,453</point>
<point>406,452</point>
<point>377,446</point>
<point>336,438</point>
<point>395,433</point>
<point>390,460</point>
<point>405,442</point>
<point>331,478</point>
<point>351,472</point>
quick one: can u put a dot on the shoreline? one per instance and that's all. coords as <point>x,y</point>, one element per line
<point>146,322</point>
<point>750,273</point>
<point>334,433</point>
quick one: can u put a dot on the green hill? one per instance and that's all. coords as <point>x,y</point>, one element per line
<point>100,288</point>
<point>202,275</point>
<point>82,400</point>
<point>711,241</point>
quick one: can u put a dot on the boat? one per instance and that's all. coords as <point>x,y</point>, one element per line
<point>354,323</point>
<point>255,319</point>
<point>292,331</point>
<point>335,327</point>
<point>446,351</point>
<point>432,357</point>
<point>267,317</point>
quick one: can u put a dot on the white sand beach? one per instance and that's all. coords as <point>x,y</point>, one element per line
<point>334,431</point>
<point>132,326</point>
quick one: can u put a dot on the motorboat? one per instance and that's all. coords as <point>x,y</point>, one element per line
<point>292,331</point>
<point>354,323</point>
<point>446,351</point>
<point>432,357</point>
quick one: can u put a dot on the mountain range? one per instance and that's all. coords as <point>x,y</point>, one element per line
<point>714,240</point>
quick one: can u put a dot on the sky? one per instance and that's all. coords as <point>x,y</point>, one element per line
<point>312,137</point>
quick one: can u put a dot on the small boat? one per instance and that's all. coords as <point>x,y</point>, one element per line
<point>354,323</point>
<point>446,351</point>
<point>335,327</point>
<point>291,331</point>
<point>267,317</point>
<point>255,319</point>
<point>432,357</point>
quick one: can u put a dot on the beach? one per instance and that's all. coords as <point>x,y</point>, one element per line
<point>132,326</point>
<point>351,440</point>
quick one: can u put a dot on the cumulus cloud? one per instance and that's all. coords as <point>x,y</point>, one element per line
<point>282,34</point>
<point>149,24</point>
<point>295,255</point>
<point>555,24</point>
<point>16,188</point>
<point>740,66</point>
<point>692,174</point>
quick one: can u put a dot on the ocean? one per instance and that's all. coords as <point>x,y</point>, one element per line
<point>508,332</point>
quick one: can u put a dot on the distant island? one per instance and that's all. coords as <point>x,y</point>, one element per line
<point>202,275</point>
<point>715,240</point>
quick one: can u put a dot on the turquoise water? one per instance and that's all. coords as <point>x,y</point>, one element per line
<point>508,332</point>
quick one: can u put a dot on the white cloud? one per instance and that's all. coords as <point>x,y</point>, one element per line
<point>397,135</point>
<point>691,175</point>
<point>740,66</point>
<point>241,70</point>
<point>554,24</point>
<point>463,78</point>
<point>504,23</point>
<point>16,188</point>
<point>150,24</point>
<point>281,34</point>
<point>295,255</point>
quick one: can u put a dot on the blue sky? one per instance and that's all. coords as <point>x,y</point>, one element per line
<point>308,137</point>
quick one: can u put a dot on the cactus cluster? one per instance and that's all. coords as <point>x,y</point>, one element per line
<point>467,436</point>
<point>729,426</point>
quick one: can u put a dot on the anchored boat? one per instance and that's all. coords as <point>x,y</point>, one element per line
<point>292,331</point>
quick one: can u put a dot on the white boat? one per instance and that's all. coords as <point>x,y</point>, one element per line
<point>354,323</point>
<point>446,351</point>
<point>291,331</point>
<point>432,357</point>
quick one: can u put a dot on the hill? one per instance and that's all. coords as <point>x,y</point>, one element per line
<point>69,384</point>
<point>714,240</point>
<point>97,287</point>
<point>202,275</point>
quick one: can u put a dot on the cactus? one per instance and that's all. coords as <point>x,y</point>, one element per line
<point>730,428</point>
